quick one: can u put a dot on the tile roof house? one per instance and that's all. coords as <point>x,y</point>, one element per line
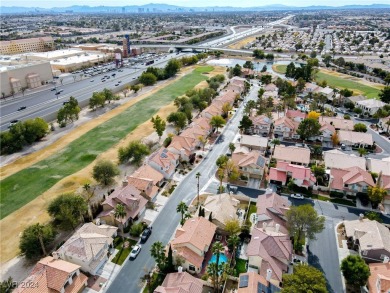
<point>271,88</point>
<point>88,247</point>
<point>301,175</point>
<point>340,160</point>
<point>181,282</point>
<point>271,211</point>
<point>358,139</point>
<point>370,106</point>
<point>379,166</point>
<point>326,91</point>
<point>194,131</point>
<point>350,180</point>
<point>285,127</point>
<point>147,172</point>
<point>295,115</point>
<point>52,275</point>
<point>192,241</point>
<point>371,238</point>
<point>223,207</point>
<point>250,164</point>
<point>269,251</point>
<point>292,154</point>
<point>252,282</point>
<point>383,123</point>
<point>211,111</point>
<point>164,161</point>
<point>310,88</point>
<point>261,124</point>
<point>337,122</point>
<point>379,280</point>
<point>183,146</point>
<point>145,185</point>
<point>254,142</point>
<point>355,99</point>
<point>128,196</point>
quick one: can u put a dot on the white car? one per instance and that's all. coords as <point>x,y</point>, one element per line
<point>297,196</point>
<point>134,253</point>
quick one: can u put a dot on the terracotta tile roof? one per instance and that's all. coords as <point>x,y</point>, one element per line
<point>379,271</point>
<point>203,122</point>
<point>270,88</point>
<point>194,132</point>
<point>271,247</point>
<point>297,171</point>
<point>377,166</point>
<point>355,137</point>
<point>88,241</point>
<point>253,284</point>
<point>371,234</point>
<point>338,159</point>
<point>51,275</point>
<point>385,181</point>
<point>248,159</point>
<point>180,142</point>
<point>292,154</point>
<point>190,256</point>
<point>196,231</point>
<point>295,113</point>
<point>222,206</point>
<point>260,120</point>
<point>337,122</point>
<point>142,184</point>
<point>254,140</point>
<point>352,175</point>
<point>271,209</point>
<point>180,283</point>
<point>277,175</point>
<point>164,158</point>
<point>212,110</point>
<point>287,122</point>
<point>147,172</point>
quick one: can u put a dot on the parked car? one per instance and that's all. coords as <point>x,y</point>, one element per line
<point>145,234</point>
<point>297,196</point>
<point>134,253</point>
<point>22,108</point>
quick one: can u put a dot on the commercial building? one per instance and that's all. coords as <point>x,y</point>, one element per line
<point>42,44</point>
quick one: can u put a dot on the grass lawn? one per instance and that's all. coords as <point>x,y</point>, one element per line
<point>24,186</point>
<point>279,68</point>
<point>252,209</point>
<point>157,280</point>
<point>340,82</point>
<point>240,266</point>
<point>123,252</point>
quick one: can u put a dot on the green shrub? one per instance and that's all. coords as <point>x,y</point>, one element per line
<point>136,229</point>
<point>336,194</point>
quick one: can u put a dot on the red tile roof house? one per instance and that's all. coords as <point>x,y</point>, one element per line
<point>379,280</point>
<point>88,247</point>
<point>52,275</point>
<point>285,127</point>
<point>292,154</point>
<point>131,198</point>
<point>271,212</point>
<point>211,111</point>
<point>145,185</point>
<point>250,164</point>
<point>192,241</point>
<point>261,125</point>
<point>195,131</point>
<point>310,88</point>
<point>301,175</point>
<point>350,180</point>
<point>295,115</point>
<point>269,251</point>
<point>252,282</point>
<point>355,139</point>
<point>147,172</point>
<point>181,282</point>
<point>337,122</point>
<point>227,97</point>
<point>185,147</point>
<point>164,161</point>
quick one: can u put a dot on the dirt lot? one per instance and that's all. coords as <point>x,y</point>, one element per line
<point>242,43</point>
<point>33,212</point>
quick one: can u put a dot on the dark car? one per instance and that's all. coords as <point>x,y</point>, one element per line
<point>145,235</point>
<point>22,108</point>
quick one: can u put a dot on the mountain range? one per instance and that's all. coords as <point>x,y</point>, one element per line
<point>173,8</point>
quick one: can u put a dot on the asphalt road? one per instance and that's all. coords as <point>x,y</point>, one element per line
<point>44,103</point>
<point>167,221</point>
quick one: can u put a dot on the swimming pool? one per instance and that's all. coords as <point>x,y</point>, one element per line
<point>222,258</point>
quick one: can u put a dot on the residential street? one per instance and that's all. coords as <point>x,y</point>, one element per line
<point>128,279</point>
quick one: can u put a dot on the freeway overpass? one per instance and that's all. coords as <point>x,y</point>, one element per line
<point>197,48</point>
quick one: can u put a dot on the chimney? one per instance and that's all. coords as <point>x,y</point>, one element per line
<point>269,275</point>
<point>180,269</point>
<point>277,228</point>
<point>386,259</point>
<point>264,226</point>
<point>361,217</point>
<point>55,255</point>
<point>125,182</point>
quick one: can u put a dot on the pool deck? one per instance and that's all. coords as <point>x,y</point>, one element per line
<point>209,254</point>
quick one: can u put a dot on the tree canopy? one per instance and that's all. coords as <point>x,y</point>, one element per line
<point>134,152</point>
<point>32,239</point>
<point>104,172</point>
<point>147,78</point>
<point>304,279</point>
<point>309,127</point>
<point>355,270</point>
<point>158,125</point>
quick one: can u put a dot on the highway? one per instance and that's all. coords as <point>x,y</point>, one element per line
<point>45,103</point>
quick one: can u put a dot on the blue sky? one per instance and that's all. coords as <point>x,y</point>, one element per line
<point>195,3</point>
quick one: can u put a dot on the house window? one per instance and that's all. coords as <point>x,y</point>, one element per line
<point>383,256</point>
<point>191,268</point>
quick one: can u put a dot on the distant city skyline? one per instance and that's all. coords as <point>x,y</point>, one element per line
<point>186,3</point>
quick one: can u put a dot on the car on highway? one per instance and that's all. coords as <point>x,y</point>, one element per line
<point>145,235</point>
<point>22,108</point>
<point>119,81</point>
<point>92,80</point>
<point>103,80</point>
<point>116,84</point>
<point>297,196</point>
<point>13,122</point>
<point>53,89</point>
<point>134,253</point>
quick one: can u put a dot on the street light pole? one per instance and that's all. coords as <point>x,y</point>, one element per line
<point>197,177</point>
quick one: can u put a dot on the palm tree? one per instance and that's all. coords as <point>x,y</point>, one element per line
<point>212,270</point>
<point>40,231</point>
<point>233,242</point>
<point>202,141</point>
<point>217,249</point>
<point>183,209</point>
<point>275,142</point>
<point>157,251</point>
<point>120,214</point>
<point>362,151</point>
<point>197,175</point>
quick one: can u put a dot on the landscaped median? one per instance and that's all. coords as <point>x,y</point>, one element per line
<point>24,186</point>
